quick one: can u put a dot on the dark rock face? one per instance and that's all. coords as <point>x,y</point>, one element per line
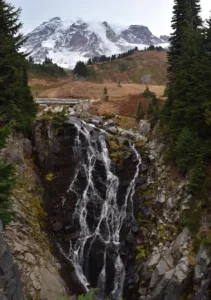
<point>9,274</point>
<point>110,33</point>
<point>137,34</point>
<point>64,163</point>
<point>165,38</point>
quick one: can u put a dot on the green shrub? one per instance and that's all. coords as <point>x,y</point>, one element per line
<point>165,94</point>
<point>90,295</point>
<point>153,110</point>
<point>7,181</point>
<point>59,118</point>
<point>139,112</point>
<point>105,94</point>
<point>81,69</point>
<point>123,67</point>
<point>148,94</point>
<point>92,73</point>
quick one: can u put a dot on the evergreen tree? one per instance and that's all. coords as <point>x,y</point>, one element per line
<point>31,60</point>
<point>185,44</point>
<point>188,86</point>
<point>47,61</point>
<point>208,36</point>
<point>187,112</point>
<point>207,71</point>
<point>16,102</point>
<point>105,94</point>
<point>139,112</point>
<point>89,61</point>
<point>185,13</point>
<point>81,69</point>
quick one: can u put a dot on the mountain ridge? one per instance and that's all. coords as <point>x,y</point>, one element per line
<point>67,41</point>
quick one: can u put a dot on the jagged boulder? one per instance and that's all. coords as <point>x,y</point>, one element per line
<point>160,270</point>
<point>10,287</point>
<point>144,127</point>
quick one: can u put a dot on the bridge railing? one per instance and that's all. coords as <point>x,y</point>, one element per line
<point>58,101</point>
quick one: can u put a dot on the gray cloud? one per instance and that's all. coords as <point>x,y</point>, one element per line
<point>156,14</point>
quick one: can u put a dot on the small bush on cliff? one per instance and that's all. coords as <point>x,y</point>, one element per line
<point>7,181</point>
<point>139,112</point>
<point>59,118</point>
<point>89,296</point>
<point>153,110</point>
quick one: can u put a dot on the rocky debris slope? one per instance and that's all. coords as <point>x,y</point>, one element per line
<point>40,277</point>
<point>171,266</point>
<point>10,286</point>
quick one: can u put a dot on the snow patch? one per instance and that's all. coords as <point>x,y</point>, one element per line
<point>66,59</point>
<point>48,44</point>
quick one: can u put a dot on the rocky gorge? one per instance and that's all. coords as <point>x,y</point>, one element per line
<point>97,205</point>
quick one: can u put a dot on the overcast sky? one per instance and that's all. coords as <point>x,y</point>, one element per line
<point>156,14</point>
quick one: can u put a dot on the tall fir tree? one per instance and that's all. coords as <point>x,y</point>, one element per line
<point>207,69</point>
<point>185,12</point>
<point>187,112</point>
<point>16,102</point>
<point>185,22</point>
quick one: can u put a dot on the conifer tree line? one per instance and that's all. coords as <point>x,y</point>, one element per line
<point>186,117</point>
<point>104,58</point>
<point>46,68</point>
<point>17,108</point>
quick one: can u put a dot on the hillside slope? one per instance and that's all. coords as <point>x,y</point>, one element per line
<point>132,68</point>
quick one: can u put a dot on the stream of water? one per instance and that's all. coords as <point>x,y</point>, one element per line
<point>100,233</point>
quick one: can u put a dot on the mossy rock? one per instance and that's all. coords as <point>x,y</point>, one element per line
<point>50,177</point>
<point>141,254</point>
<point>118,152</point>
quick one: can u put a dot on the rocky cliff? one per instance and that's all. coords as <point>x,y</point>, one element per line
<point>173,262</point>
<point>10,287</point>
<point>38,269</point>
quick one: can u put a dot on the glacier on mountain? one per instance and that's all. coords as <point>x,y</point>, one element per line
<point>68,41</point>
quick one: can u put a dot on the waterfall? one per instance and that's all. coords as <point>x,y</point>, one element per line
<point>98,214</point>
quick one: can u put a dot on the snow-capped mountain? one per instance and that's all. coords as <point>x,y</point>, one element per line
<point>67,41</point>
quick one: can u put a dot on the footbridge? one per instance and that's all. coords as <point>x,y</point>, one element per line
<point>59,101</point>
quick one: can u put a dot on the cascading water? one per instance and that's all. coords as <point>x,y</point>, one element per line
<point>99,213</point>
